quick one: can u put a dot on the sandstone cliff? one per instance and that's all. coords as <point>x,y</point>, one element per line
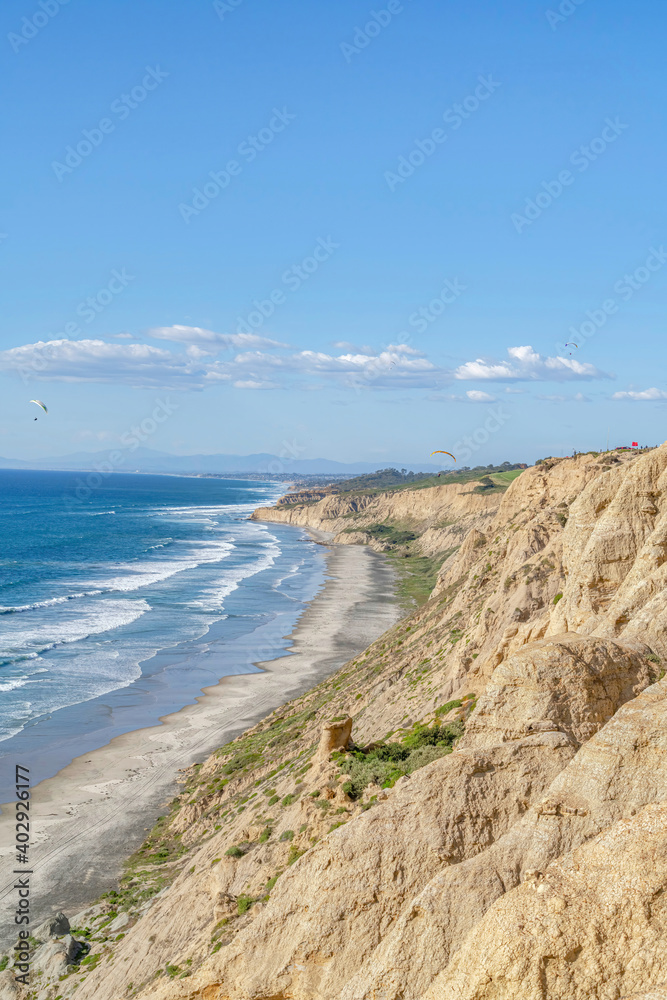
<point>528,863</point>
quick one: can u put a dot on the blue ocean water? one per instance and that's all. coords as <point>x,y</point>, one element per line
<point>104,600</point>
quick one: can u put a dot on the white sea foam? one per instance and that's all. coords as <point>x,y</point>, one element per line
<point>50,601</point>
<point>93,619</point>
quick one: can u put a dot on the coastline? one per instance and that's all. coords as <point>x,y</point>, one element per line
<point>93,813</point>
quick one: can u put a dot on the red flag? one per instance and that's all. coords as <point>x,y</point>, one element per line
<point>635,444</point>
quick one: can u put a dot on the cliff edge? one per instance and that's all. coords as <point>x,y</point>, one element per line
<point>473,808</point>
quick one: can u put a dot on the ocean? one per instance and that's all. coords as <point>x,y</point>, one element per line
<point>118,604</point>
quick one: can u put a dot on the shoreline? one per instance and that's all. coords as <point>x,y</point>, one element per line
<point>89,817</point>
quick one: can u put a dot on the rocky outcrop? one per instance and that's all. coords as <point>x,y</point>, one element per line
<point>528,863</point>
<point>593,923</point>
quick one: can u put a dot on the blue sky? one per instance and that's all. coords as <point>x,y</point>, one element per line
<point>350,230</point>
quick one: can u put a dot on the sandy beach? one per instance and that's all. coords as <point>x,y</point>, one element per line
<point>91,815</point>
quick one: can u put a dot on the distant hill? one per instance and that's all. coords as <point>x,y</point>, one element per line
<point>147,460</point>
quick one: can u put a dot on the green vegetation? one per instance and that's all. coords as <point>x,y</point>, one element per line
<point>417,576</point>
<point>234,852</point>
<point>243,903</point>
<point>390,480</point>
<point>557,598</point>
<point>382,479</point>
<point>506,477</point>
<point>287,835</point>
<point>385,763</point>
<point>386,533</point>
<point>160,846</point>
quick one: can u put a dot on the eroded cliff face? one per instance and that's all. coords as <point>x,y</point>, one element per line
<point>527,864</point>
<point>441,516</point>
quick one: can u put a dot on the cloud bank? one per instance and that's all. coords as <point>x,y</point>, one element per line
<point>524,365</point>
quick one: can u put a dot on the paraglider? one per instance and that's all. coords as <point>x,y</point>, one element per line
<point>38,402</point>
<point>572,345</point>
<point>442,453</point>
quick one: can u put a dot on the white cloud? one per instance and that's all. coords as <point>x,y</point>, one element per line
<point>652,393</point>
<point>525,364</point>
<point>98,361</point>
<point>208,340</point>
<point>252,384</point>
<point>515,391</point>
<point>477,396</point>
<point>555,398</point>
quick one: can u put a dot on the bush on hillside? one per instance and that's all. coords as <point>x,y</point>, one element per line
<point>385,763</point>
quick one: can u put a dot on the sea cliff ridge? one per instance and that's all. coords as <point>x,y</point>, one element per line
<point>474,807</point>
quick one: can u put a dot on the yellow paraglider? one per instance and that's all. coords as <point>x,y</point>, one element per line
<point>442,453</point>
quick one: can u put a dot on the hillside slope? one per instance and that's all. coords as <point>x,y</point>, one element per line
<point>521,856</point>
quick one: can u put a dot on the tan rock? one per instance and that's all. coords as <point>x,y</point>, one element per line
<point>335,736</point>
<point>595,926</point>
<point>447,811</point>
<point>567,682</point>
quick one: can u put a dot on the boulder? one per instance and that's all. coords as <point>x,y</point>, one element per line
<point>54,927</point>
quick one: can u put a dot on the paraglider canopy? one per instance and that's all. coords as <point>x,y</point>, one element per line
<point>38,402</point>
<point>442,453</point>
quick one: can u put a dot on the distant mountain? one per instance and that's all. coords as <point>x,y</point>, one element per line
<point>147,460</point>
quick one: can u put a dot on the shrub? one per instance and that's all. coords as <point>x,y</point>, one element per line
<point>448,706</point>
<point>557,598</point>
<point>287,835</point>
<point>265,834</point>
<point>234,852</point>
<point>272,801</point>
<point>243,903</point>
<point>384,764</point>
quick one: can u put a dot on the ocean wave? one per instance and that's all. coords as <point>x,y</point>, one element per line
<point>9,610</point>
<point>103,616</point>
<point>137,575</point>
<point>214,596</point>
